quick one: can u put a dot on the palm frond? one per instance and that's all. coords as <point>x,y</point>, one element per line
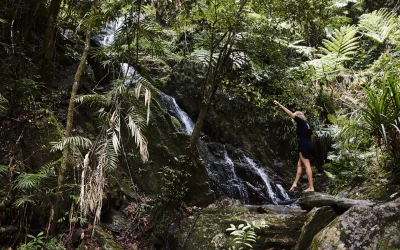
<point>136,124</point>
<point>77,141</point>
<point>108,158</point>
<point>93,99</point>
<point>23,200</point>
<point>27,181</point>
<point>378,24</point>
<point>3,170</point>
<point>3,101</point>
<point>203,57</point>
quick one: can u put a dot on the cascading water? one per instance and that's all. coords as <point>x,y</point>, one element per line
<point>222,169</point>
<point>173,108</point>
<point>265,178</point>
<point>107,35</point>
<point>236,183</point>
<point>220,166</point>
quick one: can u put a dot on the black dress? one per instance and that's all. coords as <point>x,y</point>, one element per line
<point>304,132</point>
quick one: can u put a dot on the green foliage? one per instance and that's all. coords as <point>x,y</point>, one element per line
<point>245,235</point>
<point>74,141</point>
<point>3,170</point>
<point>382,112</point>
<point>38,243</point>
<point>173,184</point>
<point>337,50</point>
<point>378,25</point>
<point>29,181</point>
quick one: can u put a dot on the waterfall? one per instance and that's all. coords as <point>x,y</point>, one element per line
<point>236,182</point>
<point>220,166</point>
<point>174,109</point>
<point>223,169</point>
<point>265,178</point>
<point>283,192</point>
<point>107,35</point>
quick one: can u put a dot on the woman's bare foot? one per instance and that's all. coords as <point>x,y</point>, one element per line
<point>293,188</point>
<point>309,190</point>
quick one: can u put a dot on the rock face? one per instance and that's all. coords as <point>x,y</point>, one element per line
<point>234,120</point>
<point>340,205</point>
<point>208,229</point>
<point>363,228</point>
<point>317,219</point>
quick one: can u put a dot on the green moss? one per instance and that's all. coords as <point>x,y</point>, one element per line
<point>177,124</point>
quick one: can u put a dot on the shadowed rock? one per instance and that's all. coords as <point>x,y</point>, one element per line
<point>314,199</point>
<point>317,219</point>
<point>362,228</point>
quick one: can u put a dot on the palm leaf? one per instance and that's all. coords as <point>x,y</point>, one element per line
<point>136,124</point>
<point>3,169</point>
<point>3,101</point>
<point>76,141</point>
<point>378,24</point>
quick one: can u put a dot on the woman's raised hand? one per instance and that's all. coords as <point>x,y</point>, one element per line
<point>276,102</point>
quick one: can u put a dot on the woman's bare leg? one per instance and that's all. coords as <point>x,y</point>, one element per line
<point>307,164</point>
<point>298,174</point>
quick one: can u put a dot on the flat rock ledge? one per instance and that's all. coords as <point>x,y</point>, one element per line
<point>314,199</point>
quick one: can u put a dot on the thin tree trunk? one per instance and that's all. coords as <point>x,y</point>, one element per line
<point>68,132</point>
<point>47,68</point>
<point>215,78</point>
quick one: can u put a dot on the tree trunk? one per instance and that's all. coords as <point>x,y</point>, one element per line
<point>68,130</point>
<point>48,48</point>
<point>212,79</point>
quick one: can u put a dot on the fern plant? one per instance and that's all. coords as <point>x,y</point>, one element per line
<point>245,235</point>
<point>378,25</point>
<point>341,47</point>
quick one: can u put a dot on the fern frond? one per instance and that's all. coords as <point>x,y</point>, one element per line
<point>378,24</point>
<point>342,44</point>
<point>338,49</point>
<point>77,141</point>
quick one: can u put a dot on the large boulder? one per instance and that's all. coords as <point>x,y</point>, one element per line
<point>363,228</point>
<point>207,230</point>
<point>317,219</point>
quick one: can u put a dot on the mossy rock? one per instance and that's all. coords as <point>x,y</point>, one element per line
<point>104,240</point>
<point>209,231</point>
<point>363,228</point>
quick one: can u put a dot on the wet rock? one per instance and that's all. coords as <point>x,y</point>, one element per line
<point>314,199</point>
<point>317,219</point>
<point>225,202</point>
<point>362,228</point>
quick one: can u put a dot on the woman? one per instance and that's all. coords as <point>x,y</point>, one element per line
<point>305,146</point>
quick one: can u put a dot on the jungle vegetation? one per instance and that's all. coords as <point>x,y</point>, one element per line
<point>337,59</point>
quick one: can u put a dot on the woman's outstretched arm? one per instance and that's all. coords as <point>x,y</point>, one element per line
<point>287,111</point>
